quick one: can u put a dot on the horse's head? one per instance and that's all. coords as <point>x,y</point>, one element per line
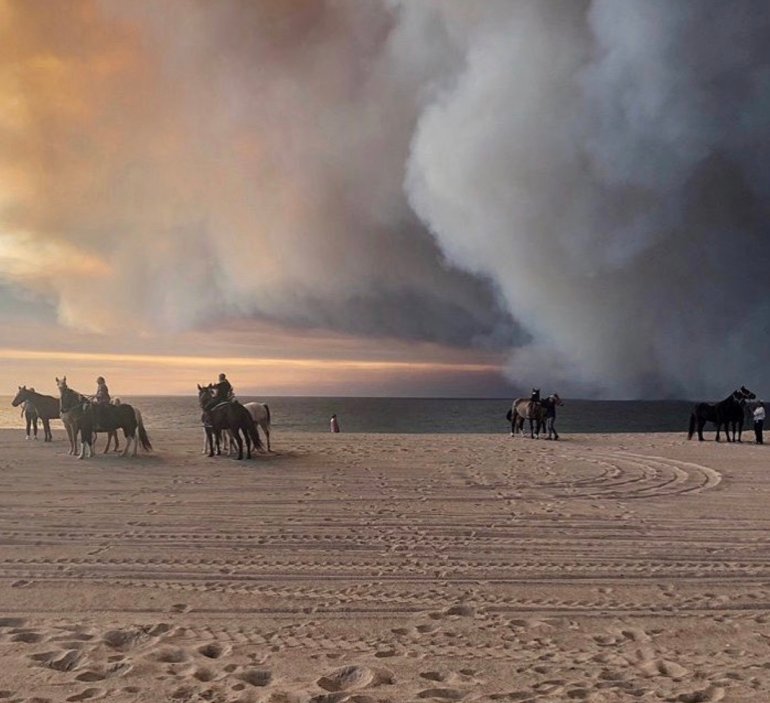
<point>747,394</point>
<point>204,395</point>
<point>61,383</point>
<point>555,398</point>
<point>20,397</point>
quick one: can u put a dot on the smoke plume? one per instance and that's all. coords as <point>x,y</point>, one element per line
<point>579,182</point>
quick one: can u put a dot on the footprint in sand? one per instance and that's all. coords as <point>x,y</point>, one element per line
<point>442,694</point>
<point>212,650</point>
<point>706,695</point>
<point>172,656</point>
<point>346,679</point>
<point>257,677</point>
<point>27,637</point>
<point>88,694</point>
<point>68,661</point>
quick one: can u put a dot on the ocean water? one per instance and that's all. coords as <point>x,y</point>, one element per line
<point>411,415</point>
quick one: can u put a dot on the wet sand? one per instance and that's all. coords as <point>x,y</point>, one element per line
<point>397,568</point>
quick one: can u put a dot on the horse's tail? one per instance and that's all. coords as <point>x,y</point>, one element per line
<point>267,410</point>
<point>143,436</point>
<point>251,427</point>
<point>509,414</point>
<point>691,431</point>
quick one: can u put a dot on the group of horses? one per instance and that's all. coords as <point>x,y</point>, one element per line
<point>83,419</point>
<point>728,414</point>
<point>230,422</point>
<point>233,423</point>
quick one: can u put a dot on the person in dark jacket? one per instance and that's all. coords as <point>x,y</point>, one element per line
<point>223,390</point>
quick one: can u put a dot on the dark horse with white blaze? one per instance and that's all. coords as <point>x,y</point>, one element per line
<point>80,415</point>
<point>227,415</point>
<point>46,406</point>
<point>728,412</point>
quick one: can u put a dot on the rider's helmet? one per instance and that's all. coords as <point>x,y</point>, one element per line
<point>100,379</point>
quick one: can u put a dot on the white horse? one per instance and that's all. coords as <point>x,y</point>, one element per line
<point>260,413</point>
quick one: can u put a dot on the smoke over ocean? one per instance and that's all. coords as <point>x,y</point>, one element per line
<point>582,184</point>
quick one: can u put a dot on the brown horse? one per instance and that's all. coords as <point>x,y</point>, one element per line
<point>46,406</point>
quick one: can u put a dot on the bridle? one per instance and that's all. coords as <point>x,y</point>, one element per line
<point>77,398</point>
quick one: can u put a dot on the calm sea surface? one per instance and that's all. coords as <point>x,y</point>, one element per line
<point>417,415</point>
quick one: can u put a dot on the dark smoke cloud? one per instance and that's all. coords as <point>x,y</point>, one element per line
<point>581,182</point>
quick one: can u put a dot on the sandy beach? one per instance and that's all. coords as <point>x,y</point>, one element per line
<point>387,568</point>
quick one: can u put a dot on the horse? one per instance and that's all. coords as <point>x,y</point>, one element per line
<point>84,416</point>
<point>112,435</point>
<point>526,409</point>
<point>260,413</point>
<point>46,406</point>
<point>227,415</point>
<point>728,412</point>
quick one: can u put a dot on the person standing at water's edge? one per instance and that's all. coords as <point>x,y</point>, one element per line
<point>29,413</point>
<point>334,425</point>
<point>759,421</point>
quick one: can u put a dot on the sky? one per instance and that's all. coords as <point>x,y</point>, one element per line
<point>338,197</point>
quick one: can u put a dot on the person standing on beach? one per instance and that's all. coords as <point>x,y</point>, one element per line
<point>29,413</point>
<point>759,421</point>
<point>333,424</point>
<point>549,404</point>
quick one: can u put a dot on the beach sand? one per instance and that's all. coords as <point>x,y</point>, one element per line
<point>387,568</point>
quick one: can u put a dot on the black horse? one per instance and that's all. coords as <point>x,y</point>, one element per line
<point>227,415</point>
<point>728,412</point>
<point>46,406</point>
<point>80,415</point>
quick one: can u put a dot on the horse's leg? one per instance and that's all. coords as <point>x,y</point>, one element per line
<point>239,442</point>
<point>266,429</point>
<point>68,427</point>
<point>247,439</point>
<point>531,428</point>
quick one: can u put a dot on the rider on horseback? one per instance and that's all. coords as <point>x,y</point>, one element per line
<point>223,391</point>
<point>101,403</point>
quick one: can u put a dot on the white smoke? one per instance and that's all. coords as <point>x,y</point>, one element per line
<point>593,164</point>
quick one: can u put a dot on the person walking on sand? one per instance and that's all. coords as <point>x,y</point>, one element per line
<point>334,425</point>
<point>759,421</point>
